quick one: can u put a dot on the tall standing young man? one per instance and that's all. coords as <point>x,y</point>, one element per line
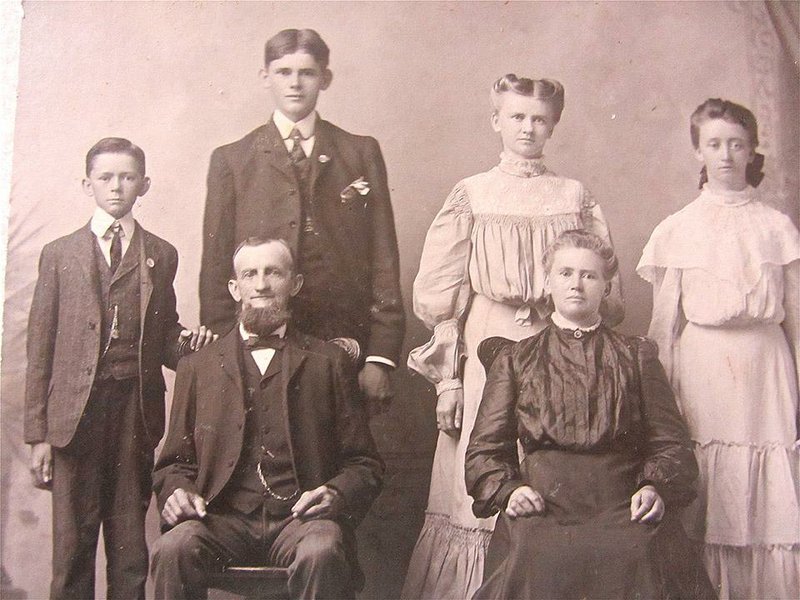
<point>324,190</point>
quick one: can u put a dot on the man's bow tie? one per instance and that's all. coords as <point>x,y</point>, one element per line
<point>255,342</point>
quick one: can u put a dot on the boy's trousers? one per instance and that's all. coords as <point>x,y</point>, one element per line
<point>103,477</point>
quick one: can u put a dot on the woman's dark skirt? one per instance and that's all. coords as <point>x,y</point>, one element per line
<point>585,545</point>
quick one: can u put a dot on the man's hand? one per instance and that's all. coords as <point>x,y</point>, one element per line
<point>450,411</point>
<point>42,465</point>
<point>183,505</point>
<point>320,503</point>
<point>647,506</point>
<point>197,337</point>
<point>524,502</point>
<point>373,379</point>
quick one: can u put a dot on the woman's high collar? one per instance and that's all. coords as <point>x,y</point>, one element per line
<point>519,167</point>
<point>729,197</point>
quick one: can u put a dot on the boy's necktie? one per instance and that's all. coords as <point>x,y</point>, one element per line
<point>296,154</point>
<point>116,246</point>
<point>302,169</point>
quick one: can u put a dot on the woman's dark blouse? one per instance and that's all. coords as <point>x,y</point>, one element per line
<point>604,392</point>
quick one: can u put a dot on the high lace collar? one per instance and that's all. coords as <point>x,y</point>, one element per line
<point>521,167</point>
<point>571,329</point>
<point>729,197</point>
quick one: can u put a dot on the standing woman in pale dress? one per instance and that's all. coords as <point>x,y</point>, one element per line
<point>480,276</point>
<point>725,272</point>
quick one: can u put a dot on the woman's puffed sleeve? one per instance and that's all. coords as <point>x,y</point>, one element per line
<point>613,307</point>
<point>442,291</point>
<point>669,462</point>
<point>491,464</point>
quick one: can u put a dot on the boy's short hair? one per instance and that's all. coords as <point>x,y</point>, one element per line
<point>290,41</point>
<point>115,145</point>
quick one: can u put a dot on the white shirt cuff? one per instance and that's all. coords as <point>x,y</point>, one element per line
<point>382,360</point>
<point>445,385</point>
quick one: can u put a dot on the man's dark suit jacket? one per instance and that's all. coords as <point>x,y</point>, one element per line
<point>253,191</point>
<point>64,335</point>
<point>326,423</point>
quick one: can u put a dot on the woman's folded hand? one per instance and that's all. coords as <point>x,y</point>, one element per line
<point>524,502</point>
<point>647,506</point>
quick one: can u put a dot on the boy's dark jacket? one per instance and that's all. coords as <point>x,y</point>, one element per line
<point>64,334</point>
<point>253,191</point>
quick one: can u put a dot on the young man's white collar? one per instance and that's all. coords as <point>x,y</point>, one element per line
<point>263,356</point>
<point>100,224</point>
<point>306,126</point>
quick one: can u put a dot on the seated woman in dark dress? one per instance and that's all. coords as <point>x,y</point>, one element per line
<point>591,511</point>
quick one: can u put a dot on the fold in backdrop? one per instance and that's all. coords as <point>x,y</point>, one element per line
<point>182,78</point>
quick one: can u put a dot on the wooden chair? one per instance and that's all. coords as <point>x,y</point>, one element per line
<point>254,583</point>
<point>489,348</point>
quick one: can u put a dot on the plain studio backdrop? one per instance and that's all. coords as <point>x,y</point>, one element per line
<point>181,78</point>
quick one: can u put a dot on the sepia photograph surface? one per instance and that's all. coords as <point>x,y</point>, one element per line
<point>180,79</point>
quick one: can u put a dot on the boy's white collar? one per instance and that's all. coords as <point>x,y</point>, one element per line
<point>101,221</point>
<point>285,124</point>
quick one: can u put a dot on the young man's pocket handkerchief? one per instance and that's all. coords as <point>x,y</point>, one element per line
<point>360,187</point>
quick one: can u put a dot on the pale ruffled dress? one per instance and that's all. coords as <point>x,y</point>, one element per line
<point>480,275</point>
<point>725,272</point>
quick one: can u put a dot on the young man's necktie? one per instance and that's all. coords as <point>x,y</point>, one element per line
<point>302,169</point>
<point>116,246</point>
<point>296,154</point>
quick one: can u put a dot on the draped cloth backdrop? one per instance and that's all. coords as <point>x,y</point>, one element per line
<point>181,78</point>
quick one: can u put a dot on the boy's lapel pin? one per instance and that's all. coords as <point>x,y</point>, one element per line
<point>150,262</point>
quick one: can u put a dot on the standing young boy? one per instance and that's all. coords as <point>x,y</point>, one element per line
<point>102,323</point>
<point>322,189</point>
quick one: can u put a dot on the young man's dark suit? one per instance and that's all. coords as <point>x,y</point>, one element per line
<point>325,425</point>
<point>253,191</point>
<point>67,404</point>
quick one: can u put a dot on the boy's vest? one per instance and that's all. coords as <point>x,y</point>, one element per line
<point>120,297</point>
<point>325,291</point>
<point>265,442</point>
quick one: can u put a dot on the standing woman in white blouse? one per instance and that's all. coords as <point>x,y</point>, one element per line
<point>480,276</point>
<point>725,272</point>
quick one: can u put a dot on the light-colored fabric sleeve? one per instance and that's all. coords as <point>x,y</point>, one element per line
<point>442,291</point>
<point>613,307</point>
<point>666,320</point>
<point>791,305</point>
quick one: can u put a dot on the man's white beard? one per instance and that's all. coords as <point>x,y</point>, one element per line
<point>263,320</point>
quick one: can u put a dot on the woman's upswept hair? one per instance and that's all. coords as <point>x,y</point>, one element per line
<point>716,108</point>
<point>578,238</point>
<point>546,90</point>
